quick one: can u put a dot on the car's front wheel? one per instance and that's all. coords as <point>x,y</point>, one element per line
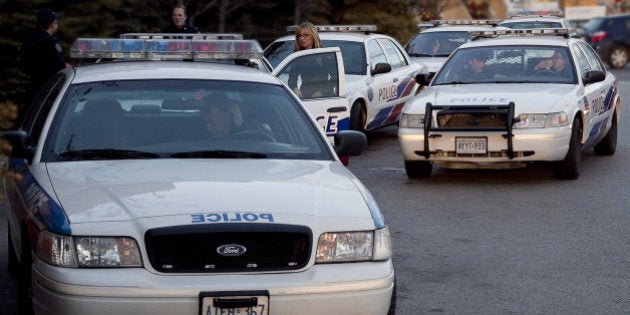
<point>608,145</point>
<point>418,169</point>
<point>569,167</point>
<point>618,57</point>
<point>358,117</point>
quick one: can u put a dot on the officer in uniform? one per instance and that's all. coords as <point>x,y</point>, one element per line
<point>180,24</point>
<point>42,55</point>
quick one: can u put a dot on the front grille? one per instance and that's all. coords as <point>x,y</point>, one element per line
<point>193,248</point>
<point>472,120</point>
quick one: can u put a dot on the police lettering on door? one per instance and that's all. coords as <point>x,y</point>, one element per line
<point>329,122</point>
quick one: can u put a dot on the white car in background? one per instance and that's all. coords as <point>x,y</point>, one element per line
<point>519,110</point>
<point>379,74</point>
<point>539,19</point>
<point>432,46</point>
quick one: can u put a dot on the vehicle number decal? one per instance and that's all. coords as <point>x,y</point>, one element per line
<point>231,217</point>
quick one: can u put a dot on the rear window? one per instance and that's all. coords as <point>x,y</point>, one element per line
<point>594,24</point>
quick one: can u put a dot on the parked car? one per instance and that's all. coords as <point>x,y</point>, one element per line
<point>379,73</point>
<point>505,101</point>
<point>432,46</point>
<point>163,184</point>
<point>610,36</point>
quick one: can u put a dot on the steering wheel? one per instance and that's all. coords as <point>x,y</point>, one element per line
<point>253,135</point>
<point>546,72</point>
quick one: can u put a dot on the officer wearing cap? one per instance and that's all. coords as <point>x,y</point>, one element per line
<point>42,55</point>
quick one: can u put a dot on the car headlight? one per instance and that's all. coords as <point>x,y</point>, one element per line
<point>354,246</point>
<point>542,120</point>
<point>88,251</point>
<point>412,121</point>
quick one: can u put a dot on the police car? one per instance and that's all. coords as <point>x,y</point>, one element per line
<point>379,75</point>
<point>532,19</point>
<point>431,46</point>
<point>521,110</point>
<point>125,200</point>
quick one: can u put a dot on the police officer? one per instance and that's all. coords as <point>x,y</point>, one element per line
<point>180,25</point>
<point>42,55</point>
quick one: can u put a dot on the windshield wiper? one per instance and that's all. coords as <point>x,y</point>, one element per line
<point>219,154</point>
<point>107,154</point>
<point>421,55</point>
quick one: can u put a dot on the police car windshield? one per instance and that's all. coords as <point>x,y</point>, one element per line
<point>507,64</point>
<point>130,119</point>
<point>436,44</point>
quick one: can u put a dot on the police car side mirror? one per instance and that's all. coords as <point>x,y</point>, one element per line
<point>424,78</point>
<point>593,76</point>
<point>381,67</point>
<point>18,140</point>
<point>350,142</point>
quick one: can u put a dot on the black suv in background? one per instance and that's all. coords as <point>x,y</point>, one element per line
<point>610,36</point>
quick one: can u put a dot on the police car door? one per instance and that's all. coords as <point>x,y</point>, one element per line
<point>599,97</point>
<point>391,89</point>
<point>317,77</point>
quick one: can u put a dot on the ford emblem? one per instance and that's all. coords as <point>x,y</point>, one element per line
<point>231,250</point>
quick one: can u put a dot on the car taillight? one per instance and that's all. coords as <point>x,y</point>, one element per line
<point>598,36</point>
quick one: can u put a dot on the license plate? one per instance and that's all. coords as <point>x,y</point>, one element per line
<point>471,145</point>
<point>235,305</point>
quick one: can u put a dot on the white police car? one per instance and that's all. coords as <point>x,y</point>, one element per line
<point>379,74</point>
<point>432,46</point>
<point>127,199</point>
<point>528,19</point>
<point>521,108</point>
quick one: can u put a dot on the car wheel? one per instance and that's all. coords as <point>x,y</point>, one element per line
<point>608,145</point>
<point>392,301</point>
<point>569,167</point>
<point>358,116</point>
<point>418,169</point>
<point>12,261</point>
<point>618,57</point>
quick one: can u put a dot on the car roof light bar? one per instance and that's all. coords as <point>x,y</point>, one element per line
<point>465,22</point>
<point>521,32</point>
<point>165,49</point>
<point>534,13</point>
<point>181,36</point>
<point>339,28</point>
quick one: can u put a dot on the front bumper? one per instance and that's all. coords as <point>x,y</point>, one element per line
<point>321,289</point>
<point>529,145</point>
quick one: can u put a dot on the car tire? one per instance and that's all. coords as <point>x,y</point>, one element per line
<point>24,284</point>
<point>358,117</point>
<point>618,57</point>
<point>569,167</point>
<point>608,145</point>
<point>13,266</point>
<point>418,169</point>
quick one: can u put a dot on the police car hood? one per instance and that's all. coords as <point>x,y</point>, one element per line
<point>432,64</point>
<point>116,191</point>
<point>538,97</point>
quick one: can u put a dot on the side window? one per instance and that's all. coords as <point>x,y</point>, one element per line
<point>312,76</point>
<point>594,61</point>
<point>395,57</point>
<point>376,53</point>
<point>583,65</point>
<point>37,114</point>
